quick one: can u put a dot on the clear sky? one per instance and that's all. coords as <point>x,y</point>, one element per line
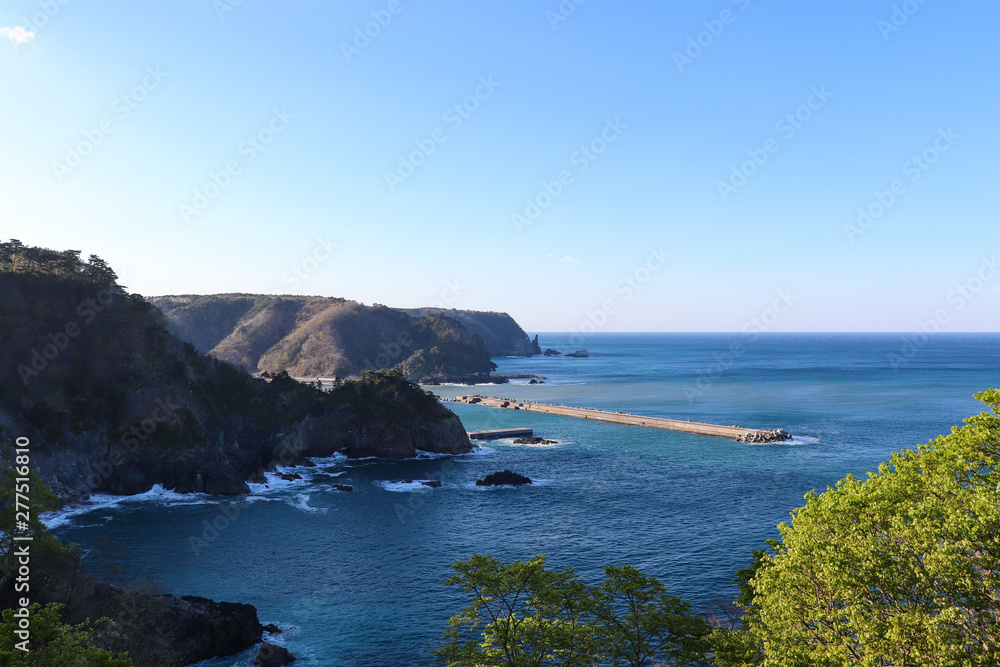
<point>647,166</point>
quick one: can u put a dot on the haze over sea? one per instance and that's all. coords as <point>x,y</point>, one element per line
<point>356,578</point>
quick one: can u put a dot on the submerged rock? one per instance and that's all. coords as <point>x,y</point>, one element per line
<point>503,478</point>
<point>272,655</point>
<point>343,487</point>
<point>434,484</point>
<point>534,441</point>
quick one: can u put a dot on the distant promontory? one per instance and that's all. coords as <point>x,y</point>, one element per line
<point>312,336</point>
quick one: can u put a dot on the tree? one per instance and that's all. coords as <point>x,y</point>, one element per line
<point>523,615</point>
<point>737,643</point>
<point>900,569</point>
<point>52,643</point>
<point>639,621</point>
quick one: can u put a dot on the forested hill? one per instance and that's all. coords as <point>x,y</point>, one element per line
<point>325,336</point>
<point>118,403</point>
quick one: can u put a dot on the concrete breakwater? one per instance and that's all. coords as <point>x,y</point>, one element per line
<point>739,433</point>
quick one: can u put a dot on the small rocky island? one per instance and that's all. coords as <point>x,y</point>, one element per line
<point>533,440</point>
<point>549,352</point>
<point>503,478</point>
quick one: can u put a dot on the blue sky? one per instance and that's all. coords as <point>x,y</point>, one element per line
<point>713,155</point>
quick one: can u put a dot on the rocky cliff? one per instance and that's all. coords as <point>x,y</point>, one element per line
<point>118,403</point>
<point>326,337</point>
<point>501,335</point>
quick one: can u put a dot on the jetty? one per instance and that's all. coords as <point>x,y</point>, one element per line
<point>497,433</point>
<point>753,435</point>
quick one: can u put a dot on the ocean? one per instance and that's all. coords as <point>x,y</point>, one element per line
<point>356,579</point>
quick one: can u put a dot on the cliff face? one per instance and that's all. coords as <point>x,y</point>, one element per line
<point>501,335</point>
<point>118,403</point>
<point>321,336</point>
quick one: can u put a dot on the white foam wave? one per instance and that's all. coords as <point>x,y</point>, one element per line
<point>432,455</point>
<point>335,459</point>
<point>406,486</point>
<point>794,441</point>
<point>479,450</point>
<point>301,501</point>
<point>157,495</point>
<point>539,445</point>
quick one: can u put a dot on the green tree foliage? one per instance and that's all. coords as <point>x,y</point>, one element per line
<point>523,615</point>
<point>53,643</point>
<point>737,643</point>
<point>639,621</point>
<point>900,569</point>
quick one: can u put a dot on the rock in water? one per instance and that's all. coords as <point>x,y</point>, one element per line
<point>549,352</point>
<point>434,484</point>
<point>272,655</point>
<point>579,353</point>
<point>504,478</point>
<point>204,628</point>
<point>534,441</point>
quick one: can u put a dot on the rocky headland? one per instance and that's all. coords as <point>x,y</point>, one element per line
<point>121,403</point>
<point>333,337</point>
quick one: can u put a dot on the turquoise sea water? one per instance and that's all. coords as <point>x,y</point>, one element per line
<point>356,578</point>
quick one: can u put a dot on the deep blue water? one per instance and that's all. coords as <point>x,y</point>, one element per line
<point>357,578</point>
